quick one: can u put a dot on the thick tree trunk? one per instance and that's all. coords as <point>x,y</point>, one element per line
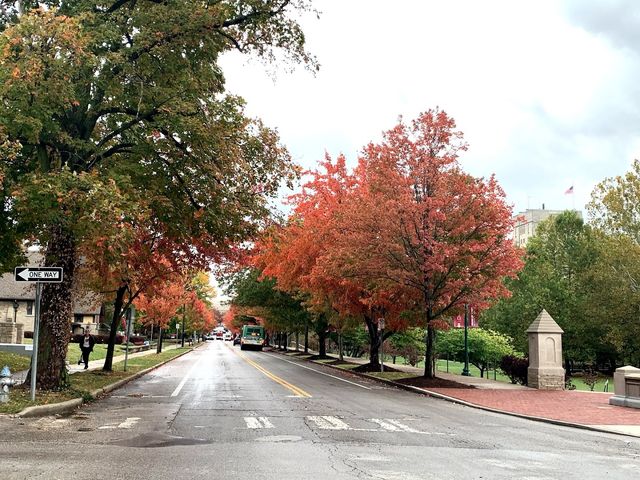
<point>374,343</point>
<point>429,371</point>
<point>306,336</point>
<point>117,315</point>
<point>322,344</point>
<point>56,312</point>
<point>159,346</point>
<point>340,350</point>
<point>297,341</point>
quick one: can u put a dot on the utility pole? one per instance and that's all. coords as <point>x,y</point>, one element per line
<point>465,370</point>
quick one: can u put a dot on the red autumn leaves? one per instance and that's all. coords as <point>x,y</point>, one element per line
<point>407,235</point>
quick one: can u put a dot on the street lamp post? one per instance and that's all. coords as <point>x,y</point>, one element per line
<point>184,310</point>
<point>15,311</point>
<point>381,327</point>
<point>465,370</point>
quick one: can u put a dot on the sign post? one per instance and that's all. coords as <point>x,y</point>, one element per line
<point>38,275</point>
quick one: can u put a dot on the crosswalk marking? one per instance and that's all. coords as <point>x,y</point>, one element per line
<point>258,422</point>
<point>127,424</point>
<point>326,422</point>
<point>394,425</point>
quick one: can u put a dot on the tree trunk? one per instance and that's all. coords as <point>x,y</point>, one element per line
<point>159,346</point>
<point>340,351</point>
<point>297,341</point>
<point>322,344</point>
<point>56,312</point>
<point>429,353</point>
<point>374,343</point>
<point>117,315</point>
<point>306,336</point>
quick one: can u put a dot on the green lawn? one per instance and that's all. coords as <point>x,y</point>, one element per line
<point>84,382</point>
<point>16,363</point>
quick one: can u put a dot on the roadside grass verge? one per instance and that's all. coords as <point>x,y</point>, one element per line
<point>83,383</point>
<point>15,362</point>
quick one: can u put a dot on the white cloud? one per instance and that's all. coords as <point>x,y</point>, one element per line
<point>545,92</point>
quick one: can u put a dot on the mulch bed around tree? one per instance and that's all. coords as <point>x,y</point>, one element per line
<point>338,362</point>
<point>368,368</point>
<point>422,382</point>
<point>319,357</point>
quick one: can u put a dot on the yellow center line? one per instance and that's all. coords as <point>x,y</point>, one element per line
<point>296,390</point>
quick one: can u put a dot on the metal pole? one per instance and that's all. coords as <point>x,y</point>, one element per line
<point>126,352</point>
<point>184,309</point>
<point>382,350</point>
<point>465,370</point>
<point>36,337</point>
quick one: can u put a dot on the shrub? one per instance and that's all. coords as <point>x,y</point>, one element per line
<point>515,368</point>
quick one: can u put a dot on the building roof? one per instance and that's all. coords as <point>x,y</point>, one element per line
<point>10,290</point>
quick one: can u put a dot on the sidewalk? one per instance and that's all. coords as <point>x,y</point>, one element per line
<point>97,364</point>
<point>569,407</point>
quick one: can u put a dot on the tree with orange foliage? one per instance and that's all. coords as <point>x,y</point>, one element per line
<point>296,256</point>
<point>418,225</point>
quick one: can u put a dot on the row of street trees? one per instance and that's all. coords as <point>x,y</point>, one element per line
<point>406,236</point>
<point>123,158</point>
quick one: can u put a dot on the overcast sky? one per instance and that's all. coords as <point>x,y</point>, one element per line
<point>546,92</point>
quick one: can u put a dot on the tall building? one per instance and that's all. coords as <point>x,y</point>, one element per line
<point>528,221</point>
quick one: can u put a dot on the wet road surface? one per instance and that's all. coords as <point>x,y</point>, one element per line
<point>225,414</point>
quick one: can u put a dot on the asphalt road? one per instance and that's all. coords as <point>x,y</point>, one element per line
<point>219,413</point>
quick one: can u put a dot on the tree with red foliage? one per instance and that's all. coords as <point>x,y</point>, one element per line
<point>417,223</point>
<point>296,257</point>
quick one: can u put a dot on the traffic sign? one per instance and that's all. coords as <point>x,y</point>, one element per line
<point>38,274</point>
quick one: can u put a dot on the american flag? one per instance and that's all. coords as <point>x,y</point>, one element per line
<point>569,190</point>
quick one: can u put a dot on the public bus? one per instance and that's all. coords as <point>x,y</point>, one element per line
<point>252,337</point>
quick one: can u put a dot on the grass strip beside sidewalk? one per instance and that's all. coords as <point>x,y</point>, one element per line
<point>83,383</point>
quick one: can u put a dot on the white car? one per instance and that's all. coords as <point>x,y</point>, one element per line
<point>227,337</point>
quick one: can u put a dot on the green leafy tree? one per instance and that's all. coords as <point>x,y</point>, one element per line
<point>128,95</point>
<point>486,347</point>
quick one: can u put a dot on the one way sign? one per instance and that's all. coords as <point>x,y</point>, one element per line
<point>38,274</point>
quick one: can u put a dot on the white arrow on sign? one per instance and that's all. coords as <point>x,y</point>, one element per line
<point>24,274</point>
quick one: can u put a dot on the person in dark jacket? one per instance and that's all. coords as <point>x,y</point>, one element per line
<point>86,346</point>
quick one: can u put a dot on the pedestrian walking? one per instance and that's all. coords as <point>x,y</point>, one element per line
<point>86,346</point>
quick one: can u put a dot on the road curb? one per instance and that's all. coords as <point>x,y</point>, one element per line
<point>70,405</point>
<point>430,393</point>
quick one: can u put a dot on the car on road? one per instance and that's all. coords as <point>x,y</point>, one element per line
<point>219,335</point>
<point>237,340</point>
<point>227,336</point>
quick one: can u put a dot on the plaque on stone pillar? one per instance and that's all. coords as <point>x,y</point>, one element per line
<point>545,370</point>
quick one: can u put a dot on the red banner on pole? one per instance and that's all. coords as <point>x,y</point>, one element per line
<point>458,321</point>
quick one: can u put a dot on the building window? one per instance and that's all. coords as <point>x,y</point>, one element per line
<point>29,308</point>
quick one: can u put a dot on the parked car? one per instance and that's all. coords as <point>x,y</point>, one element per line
<point>227,336</point>
<point>236,341</point>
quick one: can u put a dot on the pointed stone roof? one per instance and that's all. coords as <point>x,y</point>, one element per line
<point>544,324</point>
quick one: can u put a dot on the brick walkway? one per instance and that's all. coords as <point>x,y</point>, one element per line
<point>568,406</point>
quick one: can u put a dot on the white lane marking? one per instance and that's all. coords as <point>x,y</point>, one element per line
<point>258,422</point>
<point>128,423</point>
<point>387,426</point>
<point>184,380</point>
<point>326,422</point>
<point>391,425</point>
<point>317,371</point>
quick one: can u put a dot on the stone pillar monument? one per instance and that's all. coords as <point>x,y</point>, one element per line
<point>545,370</point>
